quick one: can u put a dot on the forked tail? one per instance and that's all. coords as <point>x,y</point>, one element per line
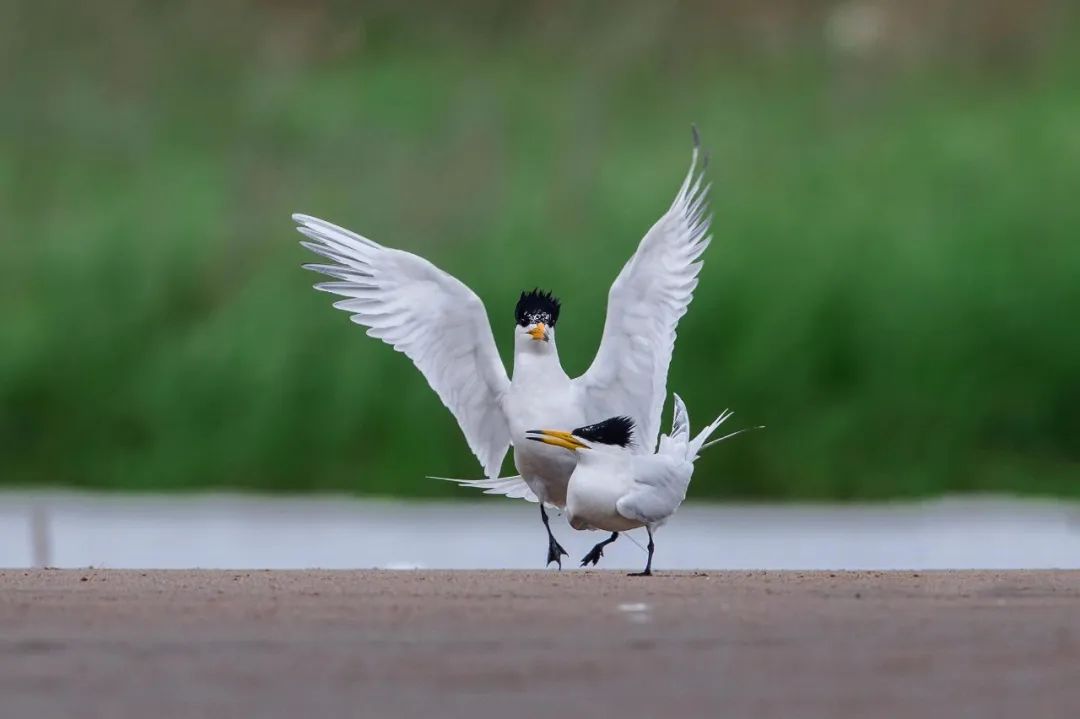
<point>680,432</point>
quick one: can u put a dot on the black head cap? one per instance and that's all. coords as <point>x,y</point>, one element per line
<point>537,306</point>
<point>616,430</point>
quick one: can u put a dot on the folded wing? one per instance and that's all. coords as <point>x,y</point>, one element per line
<point>438,322</point>
<point>651,293</point>
<point>660,483</point>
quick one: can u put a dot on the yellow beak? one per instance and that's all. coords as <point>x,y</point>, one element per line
<point>539,332</point>
<point>557,438</point>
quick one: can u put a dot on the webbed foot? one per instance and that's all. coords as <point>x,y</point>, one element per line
<point>555,552</point>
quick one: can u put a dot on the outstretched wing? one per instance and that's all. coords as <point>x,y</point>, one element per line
<point>438,322</point>
<point>629,374</point>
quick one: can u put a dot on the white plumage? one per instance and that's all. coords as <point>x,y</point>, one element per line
<point>443,327</point>
<point>435,320</point>
<point>615,488</point>
<point>645,303</point>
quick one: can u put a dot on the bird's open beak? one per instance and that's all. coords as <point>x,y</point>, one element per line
<point>557,438</point>
<point>539,332</point>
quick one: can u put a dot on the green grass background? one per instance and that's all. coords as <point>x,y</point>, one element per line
<point>893,286</point>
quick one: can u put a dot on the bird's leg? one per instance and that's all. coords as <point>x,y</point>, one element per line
<point>555,550</point>
<point>648,564</point>
<point>598,551</point>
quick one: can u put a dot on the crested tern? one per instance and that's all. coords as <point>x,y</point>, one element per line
<point>615,488</point>
<point>442,326</point>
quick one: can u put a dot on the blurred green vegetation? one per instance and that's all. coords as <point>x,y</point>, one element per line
<point>892,288</point>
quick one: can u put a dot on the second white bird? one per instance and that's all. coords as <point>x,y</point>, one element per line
<point>615,488</point>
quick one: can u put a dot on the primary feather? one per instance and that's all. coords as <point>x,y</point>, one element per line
<point>650,295</point>
<point>428,315</point>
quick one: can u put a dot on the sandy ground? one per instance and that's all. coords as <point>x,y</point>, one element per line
<point>426,644</point>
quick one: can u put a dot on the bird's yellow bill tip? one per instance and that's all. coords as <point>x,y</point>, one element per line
<point>556,437</point>
<point>539,332</point>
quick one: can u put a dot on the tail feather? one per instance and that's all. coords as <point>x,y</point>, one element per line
<point>694,447</point>
<point>729,436</point>
<point>680,430</point>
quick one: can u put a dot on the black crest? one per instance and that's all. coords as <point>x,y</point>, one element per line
<point>537,306</point>
<point>616,430</point>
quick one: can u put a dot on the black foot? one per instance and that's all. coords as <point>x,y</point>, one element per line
<point>598,551</point>
<point>646,573</point>
<point>555,552</point>
<point>593,556</point>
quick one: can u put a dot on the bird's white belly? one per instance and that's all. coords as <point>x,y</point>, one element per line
<point>591,501</point>
<point>546,469</point>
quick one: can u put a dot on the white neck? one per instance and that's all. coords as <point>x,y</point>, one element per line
<point>536,362</point>
<point>606,454</point>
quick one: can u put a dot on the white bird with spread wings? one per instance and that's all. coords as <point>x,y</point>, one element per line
<point>442,326</point>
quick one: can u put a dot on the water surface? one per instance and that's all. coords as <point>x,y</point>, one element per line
<point>228,531</point>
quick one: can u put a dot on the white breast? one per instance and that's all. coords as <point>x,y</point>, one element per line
<point>551,404</point>
<point>594,490</point>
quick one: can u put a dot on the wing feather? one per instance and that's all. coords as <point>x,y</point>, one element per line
<point>513,487</point>
<point>431,317</point>
<point>660,484</point>
<point>650,295</point>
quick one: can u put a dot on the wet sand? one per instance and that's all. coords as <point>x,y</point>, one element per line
<point>99,643</point>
